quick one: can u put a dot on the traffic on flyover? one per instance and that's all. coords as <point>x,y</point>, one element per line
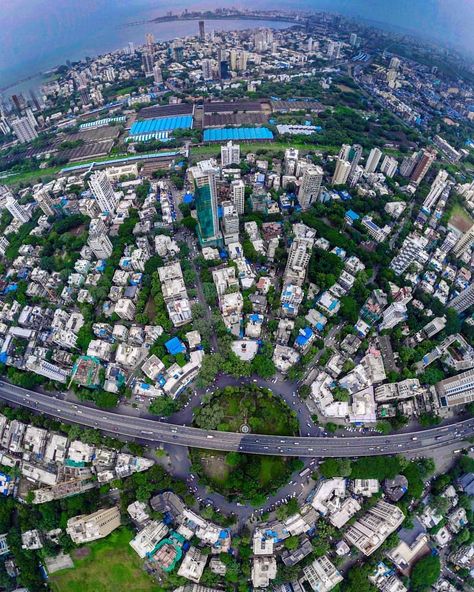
<point>155,431</point>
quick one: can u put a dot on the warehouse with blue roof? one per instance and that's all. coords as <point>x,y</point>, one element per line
<point>158,129</point>
<point>258,134</point>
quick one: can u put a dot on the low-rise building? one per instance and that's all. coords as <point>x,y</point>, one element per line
<point>87,528</point>
<point>322,575</point>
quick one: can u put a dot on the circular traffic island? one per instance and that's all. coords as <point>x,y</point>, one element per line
<point>241,477</point>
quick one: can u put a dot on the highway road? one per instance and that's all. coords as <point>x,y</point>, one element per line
<point>310,446</point>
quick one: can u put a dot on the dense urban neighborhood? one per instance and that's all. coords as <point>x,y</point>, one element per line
<point>237,314</point>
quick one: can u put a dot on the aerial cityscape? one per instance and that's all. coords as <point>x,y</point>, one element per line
<point>237,306</point>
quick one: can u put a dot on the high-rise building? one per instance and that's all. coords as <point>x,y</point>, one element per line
<point>425,159</point>
<point>178,51</point>
<point>370,531</point>
<point>157,74</point>
<point>457,390</point>
<point>202,33</point>
<point>206,66</point>
<point>230,154</point>
<point>389,166</point>
<point>98,240</point>
<point>230,222</point>
<point>299,255</point>
<point>18,211</point>
<point>344,152</point>
<point>465,242</point>
<point>341,174</point>
<point>291,160</point>
<point>17,101</point>
<point>43,199</point>
<point>131,48</point>
<point>394,63</point>
<point>224,70</point>
<point>355,175</point>
<point>148,62</point>
<point>353,39</point>
<point>84,94</point>
<point>409,252</point>
<point>310,186</point>
<point>310,44</point>
<point>150,40</point>
<point>408,165</point>
<point>31,118</point>
<point>233,56</point>
<point>437,188</point>
<point>86,528</point>
<point>205,195</point>
<point>464,300</point>
<point>263,39</point>
<point>103,191</point>
<point>334,50</point>
<point>238,195</point>
<point>24,130</point>
<point>373,160</point>
<point>4,126</point>
<point>354,155</point>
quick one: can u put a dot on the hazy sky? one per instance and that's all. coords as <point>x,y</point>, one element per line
<point>449,20</point>
<point>37,34</point>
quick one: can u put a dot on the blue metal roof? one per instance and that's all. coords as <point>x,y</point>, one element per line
<point>352,215</point>
<point>241,133</point>
<point>150,126</point>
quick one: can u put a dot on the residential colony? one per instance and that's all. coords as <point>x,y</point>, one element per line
<point>341,503</point>
<point>43,339</point>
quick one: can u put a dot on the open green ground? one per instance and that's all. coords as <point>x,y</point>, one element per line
<point>111,566</point>
<point>460,218</point>
<point>269,469</point>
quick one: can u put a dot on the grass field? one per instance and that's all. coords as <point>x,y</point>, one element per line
<point>111,566</point>
<point>460,218</point>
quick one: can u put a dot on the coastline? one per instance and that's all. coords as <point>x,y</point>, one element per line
<point>38,78</point>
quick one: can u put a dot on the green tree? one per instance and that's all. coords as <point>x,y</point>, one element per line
<point>291,543</point>
<point>335,467</point>
<point>425,573</point>
<point>163,406</point>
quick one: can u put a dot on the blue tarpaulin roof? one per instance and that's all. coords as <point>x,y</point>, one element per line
<point>304,336</point>
<point>175,346</point>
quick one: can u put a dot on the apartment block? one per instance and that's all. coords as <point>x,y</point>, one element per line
<point>370,531</point>
<point>87,528</point>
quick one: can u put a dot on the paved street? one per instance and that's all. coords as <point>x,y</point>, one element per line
<point>310,446</point>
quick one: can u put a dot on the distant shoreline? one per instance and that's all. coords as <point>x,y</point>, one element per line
<point>164,19</point>
<point>214,17</point>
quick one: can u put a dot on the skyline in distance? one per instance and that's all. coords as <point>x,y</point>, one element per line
<point>40,34</point>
